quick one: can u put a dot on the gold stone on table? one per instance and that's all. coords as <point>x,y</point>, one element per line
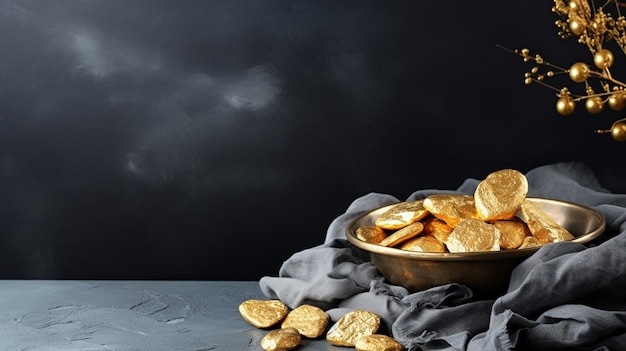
<point>352,326</point>
<point>311,321</point>
<point>378,342</point>
<point>283,339</point>
<point>263,313</point>
<point>401,215</point>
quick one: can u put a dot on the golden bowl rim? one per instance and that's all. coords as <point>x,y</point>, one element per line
<point>470,256</point>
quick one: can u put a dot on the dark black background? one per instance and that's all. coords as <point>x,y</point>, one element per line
<point>157,139</point>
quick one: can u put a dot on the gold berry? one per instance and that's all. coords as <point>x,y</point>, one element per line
<point>603,59</point>
<point>579,72</point>
<point>617,101</point>
<point>594,104</point>
<point>618,131</point>
<point>576,27</point>
<point>565,105</point>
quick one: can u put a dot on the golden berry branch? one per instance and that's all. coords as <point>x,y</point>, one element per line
<point>593,27</point>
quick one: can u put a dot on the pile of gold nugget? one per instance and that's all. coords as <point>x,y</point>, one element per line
<point>357,328</point>
<point>498,216</point>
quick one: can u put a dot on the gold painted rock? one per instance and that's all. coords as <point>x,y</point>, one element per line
<point>402,215</point>
<point>437,228</point>
<point>403,234</point>
<point>474,235</point>
<point>378,342</point>
<point>424,243</point>
<point>530,241</point>
<point>352,326</point>
<point>542,225</point>
<point>500,194</point>
<point>451,208</point>
<point>512,233</point>
<point>370,234</point>
<point>309,320</point>
<point>263,313</point>
<point>283,339</point>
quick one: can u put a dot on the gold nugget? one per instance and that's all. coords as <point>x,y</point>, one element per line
<point>352,326</point>
<point>513,232</point>
<point>401,215</point>
<point>542,225</point>
<point>530,241</point>
<point>263,313</point>
<point>451,208</point>
<point>401,235</point>
<point>283,339</point>
<point>378,342</point>
<point>437,228</point>
<point>310,321</point>
<point>500,194</point>
<point>370,234</point>
<point>424,243</point>
<point>474,235</point>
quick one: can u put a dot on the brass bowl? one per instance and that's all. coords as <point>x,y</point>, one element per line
<point>486,273</point>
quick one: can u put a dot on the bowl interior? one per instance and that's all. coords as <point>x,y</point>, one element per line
<point>583,222</point>
<point>486,273</point>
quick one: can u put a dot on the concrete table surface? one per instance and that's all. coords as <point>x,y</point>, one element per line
<point>108,315</point>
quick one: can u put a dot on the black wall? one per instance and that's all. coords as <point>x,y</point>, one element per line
<point>157,139</point>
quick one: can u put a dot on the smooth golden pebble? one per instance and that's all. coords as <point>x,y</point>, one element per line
<point>594,104</point>
<point>378,342</point>
<point>565,105</point>
<point>403,234</point>
<point>474,235</point>
<point>402,215</point>
<point>370,234</point>
<point>500,194</point>
<point>542,225</point>
<point>352,326</point>
<point>263,313</point>
<point>310,321</point>
<point>283,339</point>
<point>579,72</point>
<point>451,208</point>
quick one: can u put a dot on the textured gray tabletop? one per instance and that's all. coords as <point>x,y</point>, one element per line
<point>130,315</point>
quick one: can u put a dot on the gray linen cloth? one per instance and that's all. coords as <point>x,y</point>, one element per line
<point>567,296</point>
